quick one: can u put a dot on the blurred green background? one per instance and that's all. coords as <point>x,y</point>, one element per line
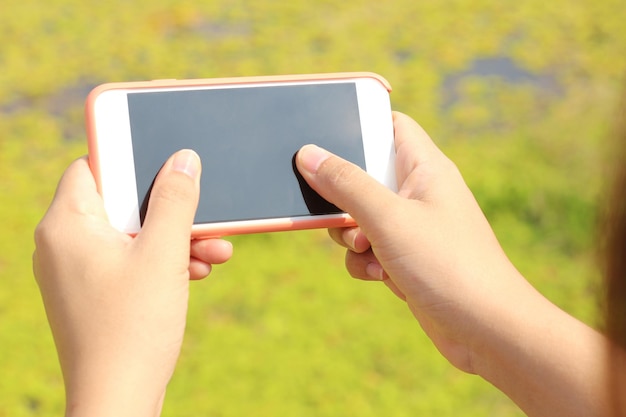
<point>522,95</point>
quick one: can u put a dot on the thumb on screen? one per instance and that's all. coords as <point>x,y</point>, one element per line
<point>344,184</point>
<point>173,201</point>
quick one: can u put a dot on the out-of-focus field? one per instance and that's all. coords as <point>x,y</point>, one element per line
<point>521,95</point>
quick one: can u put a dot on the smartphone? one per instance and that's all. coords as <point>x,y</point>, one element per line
<point>247,132</point>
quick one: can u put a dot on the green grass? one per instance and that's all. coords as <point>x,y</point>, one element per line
<point>281,329</point>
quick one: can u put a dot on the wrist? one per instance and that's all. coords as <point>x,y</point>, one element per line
<point>546,361</point>
<point>105,402</point>
<point>113,391</point>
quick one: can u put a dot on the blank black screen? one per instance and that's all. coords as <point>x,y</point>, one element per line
<point>247,139</point>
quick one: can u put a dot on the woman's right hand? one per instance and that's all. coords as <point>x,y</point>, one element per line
<point>430,243</point>
<point>433,247</point>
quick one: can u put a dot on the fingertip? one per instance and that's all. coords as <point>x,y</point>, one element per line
<point>198,269</point>
<point>375,271</point>
<point>213,251</point>
<point>225,251</point>
<point>351,238</point>
<point>360,242</point>
<point>77,176</point>
<point>77,191</point>
<point>186,161</point>
<point>311,157</point>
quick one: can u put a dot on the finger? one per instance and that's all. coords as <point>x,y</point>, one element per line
<point>407,132</point>
<point>77,191</point>
<point>76,198</point>
<point>344,184</point>
<point>417,158</point>
<point>394,289</point>
<point>173,202</point>
<point>350,238</point>
<point>212,251</point>
<point>364,266</point>
<point>198,269</point>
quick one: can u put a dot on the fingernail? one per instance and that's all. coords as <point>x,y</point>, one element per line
<point>311,157</point>
<point>358,241</point>
<point>352,242</point>
<point>187,162</point>
<point>375,271</point>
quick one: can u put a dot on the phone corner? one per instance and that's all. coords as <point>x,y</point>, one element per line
<point>377,77</point>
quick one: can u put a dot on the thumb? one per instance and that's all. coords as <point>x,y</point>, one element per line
<point>173,200</point>
<point>344,184</point>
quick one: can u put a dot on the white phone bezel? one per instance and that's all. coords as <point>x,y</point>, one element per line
<point>111,127</point>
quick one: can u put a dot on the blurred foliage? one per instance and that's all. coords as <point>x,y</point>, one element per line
<point>281,330</point>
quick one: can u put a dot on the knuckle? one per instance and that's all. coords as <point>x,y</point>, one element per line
<point>174,190</point>
<point>44,233</point>
<point>340,174</point>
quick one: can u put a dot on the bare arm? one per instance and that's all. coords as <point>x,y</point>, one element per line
<point>117,305</point>
<point>432,246</point>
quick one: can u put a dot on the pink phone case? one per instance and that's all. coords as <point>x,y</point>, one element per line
<point>233,228</point>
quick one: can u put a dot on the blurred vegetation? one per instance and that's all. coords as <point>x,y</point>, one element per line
<point>281,329</point>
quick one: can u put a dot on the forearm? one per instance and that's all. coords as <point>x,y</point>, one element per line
<point>100,386</point>
<point>546,361</point>
<point>113,400</point>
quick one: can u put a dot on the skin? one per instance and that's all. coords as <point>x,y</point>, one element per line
<point>116,304</point>
<point>432,246</point>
